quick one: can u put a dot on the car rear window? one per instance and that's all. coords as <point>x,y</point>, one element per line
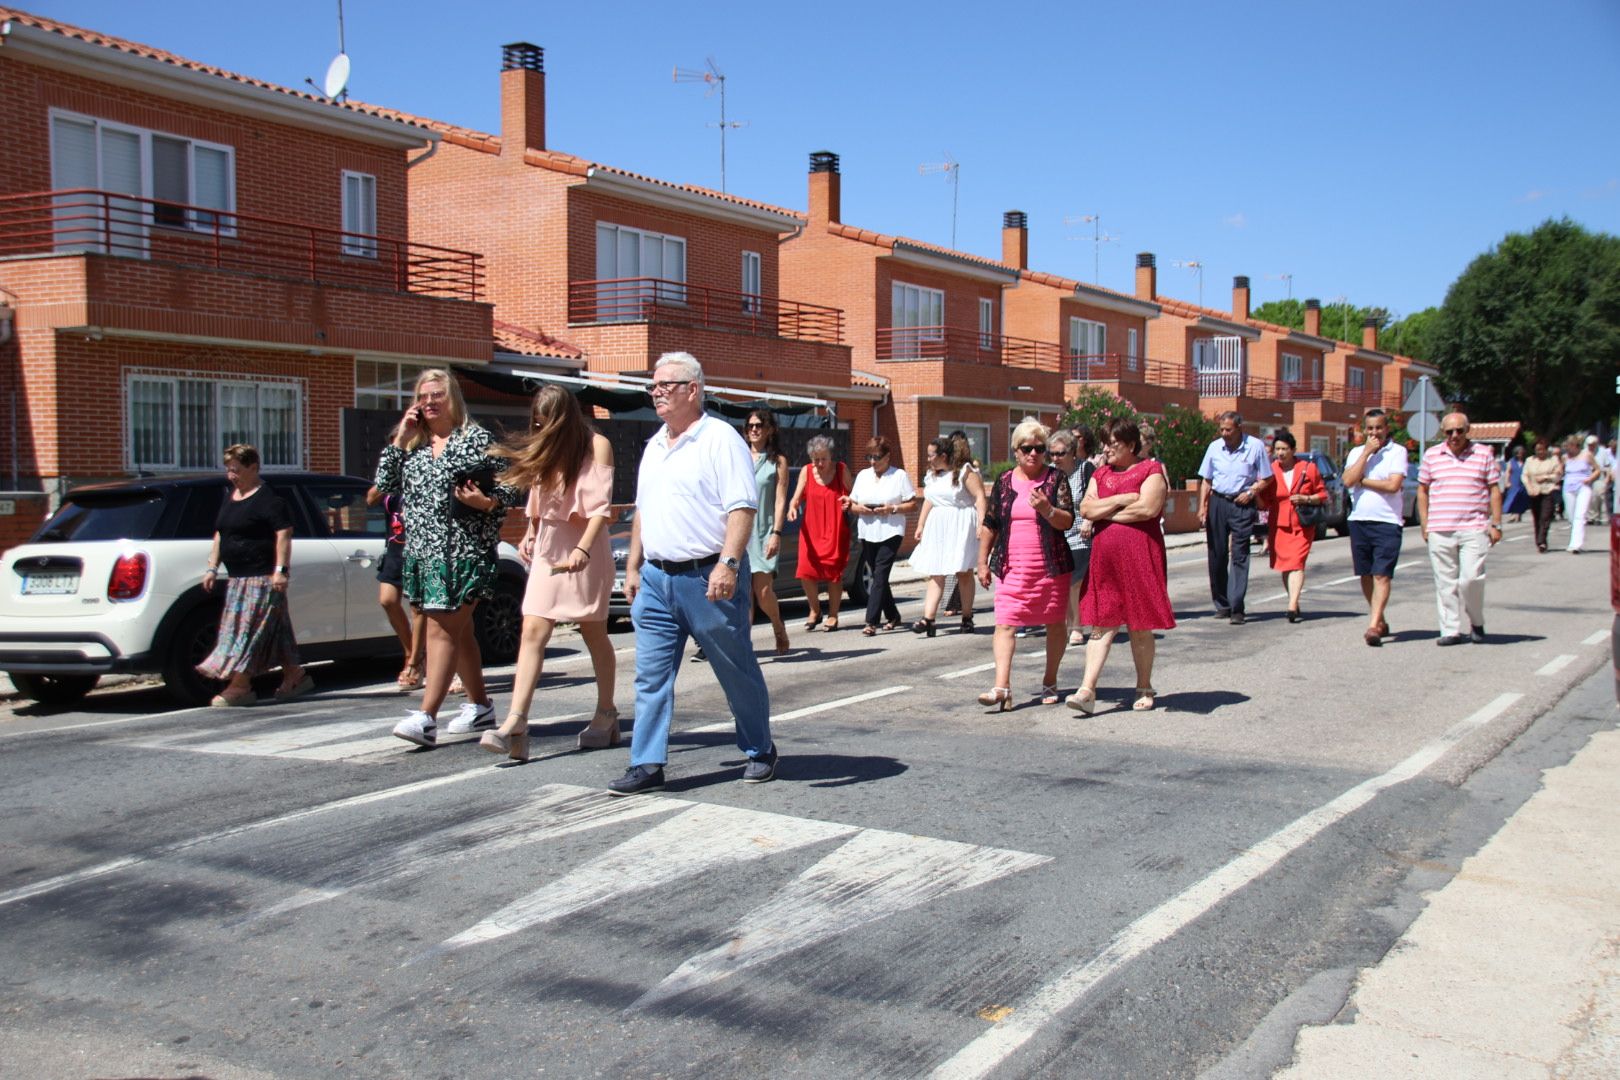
<point>121,516</point>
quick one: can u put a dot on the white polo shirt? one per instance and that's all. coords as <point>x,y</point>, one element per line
<point>685,489</point>
<point>1373,505</point>
<point>870,489</point>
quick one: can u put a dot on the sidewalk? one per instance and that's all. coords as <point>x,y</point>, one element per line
<point>1513,968</point>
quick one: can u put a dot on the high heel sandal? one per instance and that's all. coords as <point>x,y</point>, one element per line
<point>997,695</point>
<point>1145,696</point>
<point>1049,695</point>
<point>601,738</point>
<point>868,630</point>
<point>514,744</point>
<point>967,624</point>
<point>1083,701</point>
<point>831,625</point>
<point>813,621</point>
<point>410,678</point>
<point>923,626</point>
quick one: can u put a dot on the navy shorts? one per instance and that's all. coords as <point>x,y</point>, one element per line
<point>1375,548</point>
<point>391,567</point>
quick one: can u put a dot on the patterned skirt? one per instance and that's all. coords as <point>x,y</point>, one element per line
<point>447,584</point>
<point>255,631</point>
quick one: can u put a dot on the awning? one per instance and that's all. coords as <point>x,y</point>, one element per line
<point>628,393</point>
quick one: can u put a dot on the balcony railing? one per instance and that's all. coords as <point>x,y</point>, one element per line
<point>80,219</point>
<point>1118,367</point>
<point>966,346</point>
<point>682,304</point>
<point>1317,390</point>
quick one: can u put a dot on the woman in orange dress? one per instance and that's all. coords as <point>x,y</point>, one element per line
<point>1295,483</point>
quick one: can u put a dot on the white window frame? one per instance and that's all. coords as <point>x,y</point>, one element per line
<point>1322,444</point>
<point>175,459</point>
<point>916,315</point>
<point>200,219</point>
<point>394,394</point>
<point>671,250</point>
<point>978,436</point>
<point>987,323</point>
<point>360,218</point>
<point>1089,333</point>
<point>1356,379</point>
<point>1293,368</point>
<point>1131,353</point>
<point>752,267</point>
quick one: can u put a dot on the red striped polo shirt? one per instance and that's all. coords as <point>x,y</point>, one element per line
<point>1459,487</point>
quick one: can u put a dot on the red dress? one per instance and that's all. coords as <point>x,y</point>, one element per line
<point>1126,585</point>
<point>824,530</point>
<point>1291,541</point>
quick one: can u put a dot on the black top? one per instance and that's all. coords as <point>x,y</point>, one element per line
<point>247,532</point>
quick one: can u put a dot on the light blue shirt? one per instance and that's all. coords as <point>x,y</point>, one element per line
<point>1230,471</point>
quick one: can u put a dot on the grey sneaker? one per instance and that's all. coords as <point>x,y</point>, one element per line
<point>418,728</point>
<point>472,718</point>
<point>760,769</point>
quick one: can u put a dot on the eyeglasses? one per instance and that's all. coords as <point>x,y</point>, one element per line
<point>1062,453</point>
<point>667,386</point>
<point>440,396</point>
<point>1454,431</point>
<point>754,426</point>
<point>1033,448</point>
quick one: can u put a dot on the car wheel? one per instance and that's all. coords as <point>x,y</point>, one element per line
<point>190,646</point>
<point>498,623</point>
<point>858,582</point>
<point>53,689</point>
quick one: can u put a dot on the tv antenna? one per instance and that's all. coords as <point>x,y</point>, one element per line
<point>953,172</point>
<point>335,87</point>
<point>1196,267</point>
<point>714,79</point>
<point>1098,239</point>
<point>1284,277</point>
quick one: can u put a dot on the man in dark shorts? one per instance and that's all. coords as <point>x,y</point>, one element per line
<point>1375,473</point>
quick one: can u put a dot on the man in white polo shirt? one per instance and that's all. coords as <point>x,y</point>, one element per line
<point>695,505</point>
<point>1375,473</point>
<point>1459,505</point>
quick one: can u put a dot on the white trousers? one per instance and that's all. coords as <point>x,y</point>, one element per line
<point>1458,560</point>
<point>1575,507</point>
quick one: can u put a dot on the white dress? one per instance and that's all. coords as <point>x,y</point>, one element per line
<point>950,542</point>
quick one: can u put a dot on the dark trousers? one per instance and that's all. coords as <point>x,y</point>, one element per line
<point>880,556</point>
<point>1230,528</point>
<point>1541,512</point>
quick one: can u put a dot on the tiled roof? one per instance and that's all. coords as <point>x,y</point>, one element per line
<point>135,48</point>
<point>1193,311</point>
<point>882,240</point>
<point>1058,281</point>
<point>858,377</point>
<point>520,339</point>
<point>1495,430</point>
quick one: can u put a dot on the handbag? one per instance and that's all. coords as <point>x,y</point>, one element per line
<point>1311,515</point>
<point>483,477</point>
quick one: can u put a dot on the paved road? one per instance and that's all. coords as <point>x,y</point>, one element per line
<point>929,889</point>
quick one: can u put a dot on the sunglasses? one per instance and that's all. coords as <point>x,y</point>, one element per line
<point>1454,431</point>
<point>668,386</point>
<point>1062,453</point>
<point>754,426</point>
<point>1033,448</point>
<point>876,457</point>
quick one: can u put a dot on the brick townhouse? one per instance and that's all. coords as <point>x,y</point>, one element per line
<point>192,258</point>
<point>1103,333</point>
<point>612,269</point>
<point>926,320</point>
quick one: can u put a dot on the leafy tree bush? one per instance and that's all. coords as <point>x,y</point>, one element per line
<point>1094,407</point>
<point>1180,441</point>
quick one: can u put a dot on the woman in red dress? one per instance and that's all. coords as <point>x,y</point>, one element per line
<point>1126,585</point>
<point>824,536</point>
<point>1295,483</point>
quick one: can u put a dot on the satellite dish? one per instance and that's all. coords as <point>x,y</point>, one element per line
<point>337,76</point>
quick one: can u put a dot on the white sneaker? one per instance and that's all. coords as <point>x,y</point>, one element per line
<point>417,727</point>
<point>472,718</point>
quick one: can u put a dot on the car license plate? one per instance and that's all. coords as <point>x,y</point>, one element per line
<point>49,584</point>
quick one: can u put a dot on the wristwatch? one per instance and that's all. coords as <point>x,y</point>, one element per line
<point>280,570</point>
<point>731,563</point>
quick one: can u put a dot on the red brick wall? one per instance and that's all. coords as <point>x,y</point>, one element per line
<point>841,273</point>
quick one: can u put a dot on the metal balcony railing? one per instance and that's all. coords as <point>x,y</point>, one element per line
<point>1119,367</point>
<point>86,220</point>
<point>1318,390</point>
<point>680,303</point>
<point>966,346</point>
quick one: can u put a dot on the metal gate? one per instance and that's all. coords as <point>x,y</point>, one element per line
<point>1219,364</point>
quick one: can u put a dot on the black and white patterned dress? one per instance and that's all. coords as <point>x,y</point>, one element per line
<point>449,560</point>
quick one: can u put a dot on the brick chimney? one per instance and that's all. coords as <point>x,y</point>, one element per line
<point>1015,239</point>
<point>824,188</point>
<point>523,98</point>
<point>1313,318</point>
<point>1369,334</point>
<point>1240,298</point>
<point>1147,276</point>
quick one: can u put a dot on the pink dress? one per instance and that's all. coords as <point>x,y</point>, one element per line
<point>560,519</point>
<point>1027,595</point>
<point>1126,585</point>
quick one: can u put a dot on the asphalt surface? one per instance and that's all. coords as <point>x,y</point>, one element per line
<point>928,888</point>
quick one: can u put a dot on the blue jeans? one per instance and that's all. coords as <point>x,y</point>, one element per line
<point>669,608</point>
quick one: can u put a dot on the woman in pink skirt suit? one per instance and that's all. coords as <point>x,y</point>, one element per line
<point>1127,583</point>
<point>1022,544</point>
<point>568,469</point>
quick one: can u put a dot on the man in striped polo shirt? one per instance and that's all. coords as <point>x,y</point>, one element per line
<point>1459,505</point>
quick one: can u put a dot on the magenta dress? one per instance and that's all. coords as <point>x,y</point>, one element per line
<point>1027,595</point>
<point>1126,585</point>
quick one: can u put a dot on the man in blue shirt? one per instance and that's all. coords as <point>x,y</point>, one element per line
<point>1235,471</point>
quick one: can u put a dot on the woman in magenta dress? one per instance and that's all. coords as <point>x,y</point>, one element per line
<point>1022,544</point>
<point>824,536</point>
<point>1126,586</point>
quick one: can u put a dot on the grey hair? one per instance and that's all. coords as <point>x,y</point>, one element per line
<point>1060,439</point>
<point>685,363</point>
<point>817,444</point>
<point>1236,418</point>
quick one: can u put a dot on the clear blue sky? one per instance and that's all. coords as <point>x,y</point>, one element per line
<point>1368,149</point>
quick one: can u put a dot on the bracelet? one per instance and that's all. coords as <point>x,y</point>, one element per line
<point>214,569</point>
<point>776,532</point>
<point>583,552</point>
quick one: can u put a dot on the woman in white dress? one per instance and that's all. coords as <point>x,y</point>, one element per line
<point>947,531</point>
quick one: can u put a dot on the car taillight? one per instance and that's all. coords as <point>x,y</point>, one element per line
<point>128,578</point>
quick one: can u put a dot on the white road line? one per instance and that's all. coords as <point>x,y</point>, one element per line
<point>1555,665</point>
<point>101,723</point>
<point>987,1052</point>
<point>61,881</point>
<point>1516,539</point>
<point>965,672</point>
<point>808,710</point>
<point>1340,581</point>
<point>1597,639</point>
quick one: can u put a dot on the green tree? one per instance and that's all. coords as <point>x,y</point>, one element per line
<point>1531,329</point>
<point>1412,336</point>
<point>1340,321</point>
<point>1182,437</point>
<point>1093,406</point>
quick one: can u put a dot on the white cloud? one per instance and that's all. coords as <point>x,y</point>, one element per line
<point>1238,220</point>
<point>1533,195</point>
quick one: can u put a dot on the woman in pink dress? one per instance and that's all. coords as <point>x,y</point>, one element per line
<point>1127,585</point>
<point>1022,544</point>
<point>824,536</point>
<point>568,469</point>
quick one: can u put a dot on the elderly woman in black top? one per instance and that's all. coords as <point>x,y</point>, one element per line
<point>253,539</point>
<point>1022,543</point>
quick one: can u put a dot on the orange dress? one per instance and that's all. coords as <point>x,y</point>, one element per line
<point>560,519</point>
<point>1291,541</point>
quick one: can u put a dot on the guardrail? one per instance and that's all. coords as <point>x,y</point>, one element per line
<point>1119,367</point>
<point>646,299</point>
<point>966,346</point>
